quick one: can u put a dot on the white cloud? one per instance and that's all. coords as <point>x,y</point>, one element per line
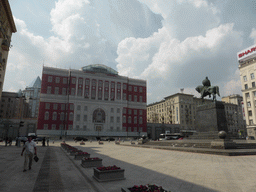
<point>167,62</point>
<point>253,34</point>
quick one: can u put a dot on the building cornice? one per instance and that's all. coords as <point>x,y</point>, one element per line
<point>9,15</point>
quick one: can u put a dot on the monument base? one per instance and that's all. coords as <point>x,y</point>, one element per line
<point>223,144</point>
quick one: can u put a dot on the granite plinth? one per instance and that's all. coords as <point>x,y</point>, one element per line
<point>223,144</point>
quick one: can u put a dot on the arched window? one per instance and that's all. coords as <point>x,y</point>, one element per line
<point>54,116</point>
<point>99,116</point>
<point>46,115</point>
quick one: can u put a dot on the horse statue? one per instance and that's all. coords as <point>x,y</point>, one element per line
<point>207,90</point>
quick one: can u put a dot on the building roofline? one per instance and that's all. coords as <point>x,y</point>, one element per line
<point>9,15</point>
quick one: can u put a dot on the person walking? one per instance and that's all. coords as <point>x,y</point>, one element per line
<point>47,141</point>
<point>30,149</point>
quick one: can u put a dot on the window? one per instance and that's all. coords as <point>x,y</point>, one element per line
<point>124,96</point>
<point>129,119</point>
<point>118,119</point>
<point>85,118</point>
<point>254,93</point>
<point>253,84</point>
<point>124,110</point>
<point>245,78</point>
<point>77,127</point>
<point>57,80</point>
<point>55,106</point>
<point>47,105</point>
<point>118,129</point>
<point>73,80</point>
<point>53,126</point>
<point>111,119</point>
<point>130,88</point>
<point>135,98</point>
<point>56,90</point>
<point>250,122</point>
<point>129,129</point>
<point>80,81</point>
<point>252,75</point>
<point>62,106</point>
<point>124,129</point>
<point>130,98</point>
<point>71,116</point>
<point>140,98</point>
<point>111,128</point>
<point>77,117</point>
<point>73,91</point>
<point>124,86</point>
<point>87,82</point>
<point>140,120</point>
<point>46,115</point>
<point>141,90</point>
<point>118,110</point>
<point>129,111</point>
<point>135,89</point>
<point>65,80</point>
<point>248,104</point>
<point>140,111</point>
<point>134,129</point>
<point>62,116</point>
<point>84,127</point>
<point>247,95</point>
<point>112,85</point>
<point>64,91</point>
<point>45,126</point>
<point>85,108</point>
<point>135,119</point>
<point>112,110</point>
<point>49,78</point>
<point>49,89</point>
<point>54,116</point>
<point>245,86</point>
<point>71,107</point>
<point>70,127</point>
<point>250,113</point>
<point>135,111</point>
<point>124,119</point>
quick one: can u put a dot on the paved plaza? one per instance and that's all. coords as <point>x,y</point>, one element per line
<point>174,170</point>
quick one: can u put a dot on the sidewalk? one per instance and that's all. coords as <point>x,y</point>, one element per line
<point>174,170</point>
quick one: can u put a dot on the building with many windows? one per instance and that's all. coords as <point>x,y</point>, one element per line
<point>247,66</point>
<point>7,27</point>
<point>180,109</point>
<point>92,101</point>
<point>32,96</point>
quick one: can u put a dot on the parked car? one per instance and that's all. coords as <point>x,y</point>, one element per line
<point>1,140</point>
<point>110,139</point>
<point>80,139</point>
<point>23,139</point>
<point>38,139</point>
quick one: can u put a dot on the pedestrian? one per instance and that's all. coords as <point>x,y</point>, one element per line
<point>10,141</point>
<point>48,141</point>
<point>30,149</point>
<point>43,142</point>
<point>6,141</point>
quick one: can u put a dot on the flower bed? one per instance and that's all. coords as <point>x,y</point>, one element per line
<point>110,173</point>
<point>80,155</point>
<point>144,188</point>
<point>75,151</point>
<point>91,162</point>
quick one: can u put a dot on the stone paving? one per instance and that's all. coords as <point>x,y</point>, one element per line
<point>174,170</point>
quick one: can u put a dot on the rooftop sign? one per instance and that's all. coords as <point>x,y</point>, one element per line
<point>247,53</point>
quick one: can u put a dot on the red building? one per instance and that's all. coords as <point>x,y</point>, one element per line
<point>92,101</point>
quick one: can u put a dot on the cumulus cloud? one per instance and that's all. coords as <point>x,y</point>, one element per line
<point>167,62</point>
<point>84,32</point>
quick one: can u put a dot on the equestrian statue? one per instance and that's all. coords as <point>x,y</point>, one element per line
<point>206,89</point>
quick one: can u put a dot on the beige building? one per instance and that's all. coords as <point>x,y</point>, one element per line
<point>234,114</point>
<point>181,109</point>
<point>175,109</point>
<point>247,66</point>
<point>7,27</point>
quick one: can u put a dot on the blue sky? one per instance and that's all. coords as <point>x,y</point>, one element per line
<point>172,44</point>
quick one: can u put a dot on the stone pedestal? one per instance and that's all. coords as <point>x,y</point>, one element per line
<point>211,118</point>
<point>223,144</point>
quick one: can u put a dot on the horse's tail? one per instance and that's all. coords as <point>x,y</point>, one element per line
<point>217,91</point>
